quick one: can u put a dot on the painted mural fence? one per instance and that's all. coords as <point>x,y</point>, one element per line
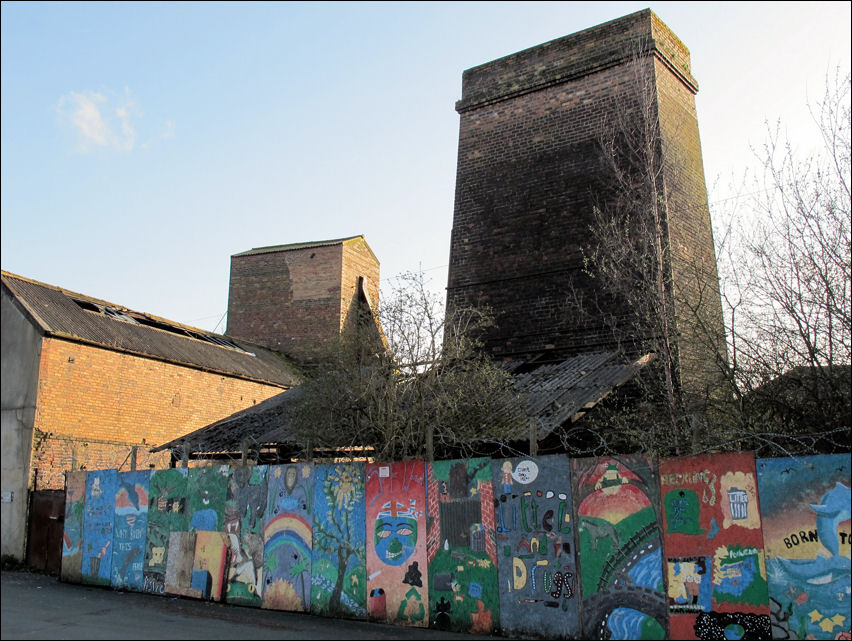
<point>620,548</point>
<point>707,547</point>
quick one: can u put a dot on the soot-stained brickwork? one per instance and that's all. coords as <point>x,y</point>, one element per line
<point>529,174</point>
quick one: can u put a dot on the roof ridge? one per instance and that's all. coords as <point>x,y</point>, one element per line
<point>300,245</point>
<point>106,303</point>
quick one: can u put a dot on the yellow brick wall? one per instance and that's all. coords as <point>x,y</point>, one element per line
<point>94,404</point>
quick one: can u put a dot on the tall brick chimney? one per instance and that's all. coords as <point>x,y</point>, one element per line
<point>297,298</point>
<point>529,169</point>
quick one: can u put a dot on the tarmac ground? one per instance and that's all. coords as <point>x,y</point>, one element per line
<point>39,606</point>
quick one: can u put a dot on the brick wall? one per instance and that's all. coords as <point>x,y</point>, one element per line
<point>288,301</point>
<point>358,262</point>
<point>54,455</point>
<point>529,174</point>
<point>433,524</point>
<point>697,297</point>
<point>94,404</point>
<point>296,301</point>
<point>486,508</point>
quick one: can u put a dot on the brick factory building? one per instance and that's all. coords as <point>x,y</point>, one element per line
<point>528,177</point>
<point>90,384</point>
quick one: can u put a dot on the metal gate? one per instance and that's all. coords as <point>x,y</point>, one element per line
<point>46,523</point>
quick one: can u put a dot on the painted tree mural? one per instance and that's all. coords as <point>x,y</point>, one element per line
<point>339,580</point>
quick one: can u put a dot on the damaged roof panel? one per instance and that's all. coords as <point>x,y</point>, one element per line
<point>65,314</point>
<point>556,394</point>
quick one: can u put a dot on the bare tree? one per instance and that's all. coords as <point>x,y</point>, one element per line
<point>656,296</point>
<point>430,391</point>
<point>781,380</point>
<point>785,267</point>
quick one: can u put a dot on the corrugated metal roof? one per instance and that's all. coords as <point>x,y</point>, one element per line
<point>564,391</point>
<point>556,394</point>
<point>292,246</point>
<point>263,424</point>
<point>62,313</point>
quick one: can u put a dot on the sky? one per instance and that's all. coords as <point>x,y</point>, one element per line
<point>143,144</point>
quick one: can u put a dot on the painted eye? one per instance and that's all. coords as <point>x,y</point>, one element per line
<point>383,534</point>
<point>404,531</point>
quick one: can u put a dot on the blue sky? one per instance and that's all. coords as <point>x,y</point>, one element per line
<point>144,144</point>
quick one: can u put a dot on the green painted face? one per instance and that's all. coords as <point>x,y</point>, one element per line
<point>395,538</point>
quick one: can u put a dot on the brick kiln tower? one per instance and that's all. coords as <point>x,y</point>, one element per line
<point>529,174</point>
<point>297,298</point>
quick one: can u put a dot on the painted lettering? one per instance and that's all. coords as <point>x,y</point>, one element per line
<point>545,520</point>
<point>802,536</point>
<point>519,574</point>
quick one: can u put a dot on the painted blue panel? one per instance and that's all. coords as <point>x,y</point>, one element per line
<point>339,576</point>
<point>131,526</point>
<point>805,510</point>
<point>535,547</point>
<point>98,518</point>
<point>287,538</point>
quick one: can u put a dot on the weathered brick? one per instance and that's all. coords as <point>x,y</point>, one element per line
<point>529,174</point>
<point>94,405</point>
<point>296,299</point>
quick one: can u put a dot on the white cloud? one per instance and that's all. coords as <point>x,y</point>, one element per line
<point>168,129</point>
<point>97,123</point>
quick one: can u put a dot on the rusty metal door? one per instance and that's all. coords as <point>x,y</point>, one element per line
<point>44,539</point>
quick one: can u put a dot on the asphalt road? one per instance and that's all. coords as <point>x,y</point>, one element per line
<point>38,606</point>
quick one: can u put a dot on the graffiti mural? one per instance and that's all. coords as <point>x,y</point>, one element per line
<point>287,537</point>
<point>98,517</point>
<point>461,546</point>
<point>206,491</point>
<point>203,511</point>
<point>433,544</point>
<point>397,585</point>
<point>179,563</point>
<point>166,514</point>
<point>805,509</point>
<point>714,546</point>
<point>208,564</point>
<point>619,548</point>
<point>131,528</point>
<point>535,547</point>
<point>245,514</point>
<point>72,536</point>
<point>338,573</point>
